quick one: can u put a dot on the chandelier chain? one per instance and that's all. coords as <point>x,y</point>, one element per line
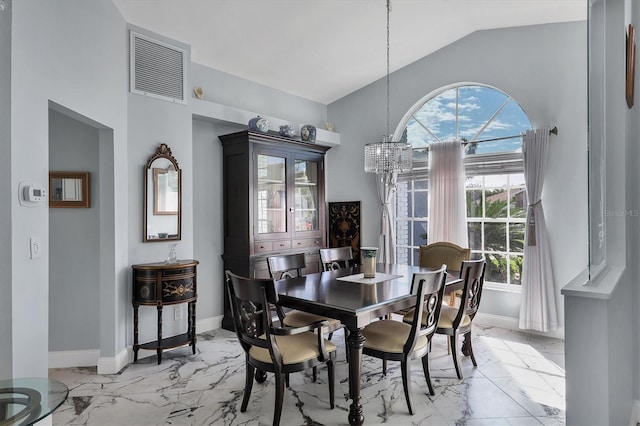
<point>388,136</point>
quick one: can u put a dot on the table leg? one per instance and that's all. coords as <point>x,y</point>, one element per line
<point>356,343</point>
<point>159,346</point>
<point>136,347</point>
<point>192,326</point>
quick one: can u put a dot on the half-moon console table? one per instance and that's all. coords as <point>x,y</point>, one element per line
<point>159,284</point>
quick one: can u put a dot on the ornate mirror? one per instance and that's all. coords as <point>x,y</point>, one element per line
<point>162,212</point>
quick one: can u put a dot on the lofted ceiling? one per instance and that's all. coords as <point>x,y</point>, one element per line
<point>325,49</point>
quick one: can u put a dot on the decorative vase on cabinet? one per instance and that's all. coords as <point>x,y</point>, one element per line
<point>282,210</point>
<point>308,133</point>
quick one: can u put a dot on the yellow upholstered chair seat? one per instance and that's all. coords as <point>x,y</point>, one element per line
<point>300,319</point>
<point>390,336</point>
<point>294,349</point>
<point>448,314</point>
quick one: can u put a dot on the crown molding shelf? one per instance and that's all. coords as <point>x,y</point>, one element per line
<point>219,112</point>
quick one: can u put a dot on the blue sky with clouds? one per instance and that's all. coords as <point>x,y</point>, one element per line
<point>470,113</point>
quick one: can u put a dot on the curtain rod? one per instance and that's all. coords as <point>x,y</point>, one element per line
<point>553,131</point>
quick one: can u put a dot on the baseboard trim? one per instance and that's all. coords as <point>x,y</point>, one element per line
<point>113,365</point>
<point>635,413</point>
<point>80,358</point>
<point>208,324</point>
<point>513,324</point>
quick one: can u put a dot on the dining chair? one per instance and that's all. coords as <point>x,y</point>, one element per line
<point>435,254</point>
<point>291,266</point>
<point>273,348</point>
<point>336,258</point>
<point>389,339</point>
<point>456,320</point>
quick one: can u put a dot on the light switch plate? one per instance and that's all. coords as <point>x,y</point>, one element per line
<point>35,247</point>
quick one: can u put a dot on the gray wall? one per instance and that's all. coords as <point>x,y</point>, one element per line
<point>208,241</point>
<point>151,122</point>
<point>5,189</point>
<point>605,310</point>
<point>549,84</point>
<point>74,241</point>
<point>236,92</point>
<point>82,68</point>
<point>633,194</point>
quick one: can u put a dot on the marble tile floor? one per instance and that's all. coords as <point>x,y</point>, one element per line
<point>519,381</point>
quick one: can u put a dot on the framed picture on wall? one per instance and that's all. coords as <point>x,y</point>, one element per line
<point>631,66</point>
<point>344,226</point>
<point>69,189</point>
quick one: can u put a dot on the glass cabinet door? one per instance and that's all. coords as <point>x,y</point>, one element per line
<point>272,194</point>
<point>306,216</point>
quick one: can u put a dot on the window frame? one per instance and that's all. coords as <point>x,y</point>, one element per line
<point>476,165</point>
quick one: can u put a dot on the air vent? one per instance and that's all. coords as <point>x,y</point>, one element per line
<point>157,69</point>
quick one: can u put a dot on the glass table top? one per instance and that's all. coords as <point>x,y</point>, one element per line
<point>25,401</point>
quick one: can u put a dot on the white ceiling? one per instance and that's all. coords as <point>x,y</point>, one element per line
<point>325,49</point>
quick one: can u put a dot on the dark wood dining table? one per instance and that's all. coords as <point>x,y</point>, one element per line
<point>355,304</point>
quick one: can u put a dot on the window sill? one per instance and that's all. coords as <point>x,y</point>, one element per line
<point>602,287</point>
<point>508,288</point>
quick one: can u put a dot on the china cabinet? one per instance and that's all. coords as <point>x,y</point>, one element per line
<point>273,203</point>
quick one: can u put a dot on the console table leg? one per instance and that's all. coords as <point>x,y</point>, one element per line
<point>159,348</point>
<point>192,326</point>
<point>136,347</point>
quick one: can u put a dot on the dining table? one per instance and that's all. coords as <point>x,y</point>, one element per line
<point>344,294</point>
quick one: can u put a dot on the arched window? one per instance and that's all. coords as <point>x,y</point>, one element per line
<point>490,123</point>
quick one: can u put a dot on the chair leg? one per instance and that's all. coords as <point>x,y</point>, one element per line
<point>248,384</point>
<point>330,336</point>
<point>467,348</point>
<point>406,383</point>
<point>427,375</point>
<point>332,380</point>
<point>454,353</point>
<point>384,367</point>
<point>315,374</point>
<point>279,398</point>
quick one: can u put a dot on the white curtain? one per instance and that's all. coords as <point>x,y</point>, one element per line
<point>447,211</point>
<point>386,189</point>
<point>538,309</point>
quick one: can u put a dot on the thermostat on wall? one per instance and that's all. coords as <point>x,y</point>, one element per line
<point>31,194</point>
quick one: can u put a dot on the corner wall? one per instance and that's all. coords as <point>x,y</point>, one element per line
<point>74,241</point>
<point>6,321</point>
<point>601,346</point>
<point>633,199</point>
<point>71,53</point>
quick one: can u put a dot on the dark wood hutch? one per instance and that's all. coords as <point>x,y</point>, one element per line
<point>274,203</point>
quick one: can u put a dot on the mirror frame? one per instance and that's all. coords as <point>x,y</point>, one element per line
<point>162,152</point>
<point>83,177</point>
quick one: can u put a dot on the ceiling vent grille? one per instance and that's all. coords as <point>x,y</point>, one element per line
<point>157,69</point>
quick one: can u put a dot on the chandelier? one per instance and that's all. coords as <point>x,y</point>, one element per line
<point>387,157</point>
